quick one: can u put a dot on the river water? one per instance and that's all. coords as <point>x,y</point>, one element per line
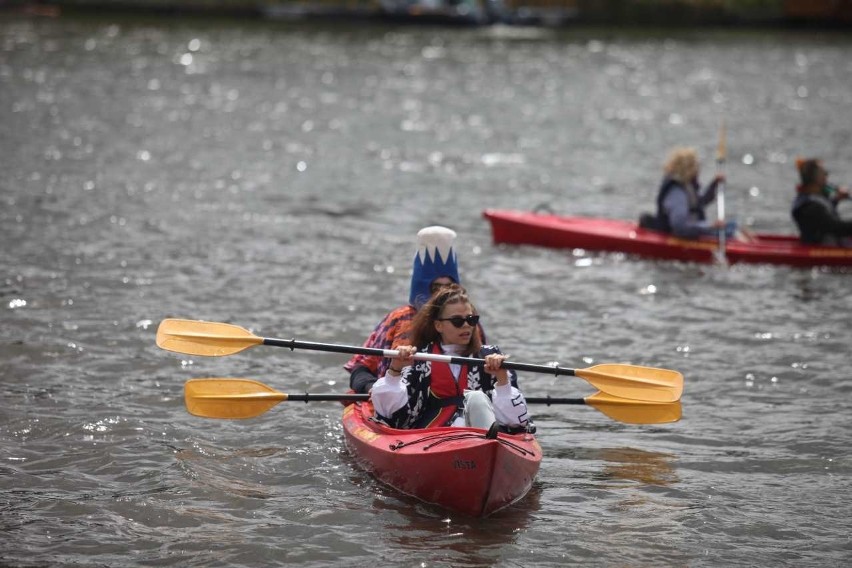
<point>274,176</point>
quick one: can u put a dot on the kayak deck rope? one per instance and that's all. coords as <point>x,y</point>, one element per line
<point>444,437</point>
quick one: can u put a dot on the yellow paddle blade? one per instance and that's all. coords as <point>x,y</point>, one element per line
<point>635,382</point>
<point>721,149</point>
<point>206,338</point>
<point>229,398</point>
<point>635,411</point>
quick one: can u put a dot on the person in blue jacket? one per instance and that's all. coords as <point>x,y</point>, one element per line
<point>681,200</point>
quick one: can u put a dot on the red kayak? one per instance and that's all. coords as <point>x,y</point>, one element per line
<point>612,235</point>
<point>456,468</point>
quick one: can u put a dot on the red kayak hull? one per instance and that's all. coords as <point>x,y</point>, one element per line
<point>458,469</point>
<point>612,235</point>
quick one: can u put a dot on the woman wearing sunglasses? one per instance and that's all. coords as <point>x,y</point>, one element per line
<point>435,265</point>
<point>423,394</point>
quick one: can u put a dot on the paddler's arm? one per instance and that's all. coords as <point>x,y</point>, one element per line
<point>708,194</point>
<point>389,393</point>
<point>683,224</point>
<point>361,379</point>
<point>492,367</point>
<point>489,349</point>
<point>510,407</point>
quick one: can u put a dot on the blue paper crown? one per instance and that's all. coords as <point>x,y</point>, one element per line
<point>435,258</point>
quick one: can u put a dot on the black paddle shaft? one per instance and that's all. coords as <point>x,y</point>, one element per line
<point>352,397</point>
<point>293,344</point>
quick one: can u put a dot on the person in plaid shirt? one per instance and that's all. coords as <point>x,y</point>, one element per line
<point>435,265</point>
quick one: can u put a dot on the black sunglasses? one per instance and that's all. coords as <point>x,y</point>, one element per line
<point>459,321</point>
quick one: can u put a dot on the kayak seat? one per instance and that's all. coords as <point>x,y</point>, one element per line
<point>649,221</point>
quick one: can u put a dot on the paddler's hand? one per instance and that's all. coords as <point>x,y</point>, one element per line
<point>492,367</point>
<point>404,358</point>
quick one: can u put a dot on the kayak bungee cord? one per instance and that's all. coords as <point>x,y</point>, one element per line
<point>443,437</point>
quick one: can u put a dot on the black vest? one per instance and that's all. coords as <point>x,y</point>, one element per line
<point>810,234</point>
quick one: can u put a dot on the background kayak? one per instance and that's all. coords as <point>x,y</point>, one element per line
<point>598,234</point>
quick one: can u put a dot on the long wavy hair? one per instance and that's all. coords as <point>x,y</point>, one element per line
<point>422,331</point>
<point>682,165</point>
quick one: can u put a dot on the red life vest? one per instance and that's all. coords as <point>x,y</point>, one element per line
<point>443,385</point>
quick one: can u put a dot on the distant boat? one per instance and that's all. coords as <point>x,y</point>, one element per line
<point>470,12</point>
<point>613,235</point>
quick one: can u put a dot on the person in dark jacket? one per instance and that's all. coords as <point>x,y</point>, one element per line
<point>815,207</point>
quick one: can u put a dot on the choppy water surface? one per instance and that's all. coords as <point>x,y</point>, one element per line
<point>274,176</point>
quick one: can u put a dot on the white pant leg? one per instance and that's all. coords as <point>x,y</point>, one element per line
<point>478,410</point>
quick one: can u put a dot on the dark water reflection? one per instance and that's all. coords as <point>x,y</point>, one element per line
<point>273,176</point>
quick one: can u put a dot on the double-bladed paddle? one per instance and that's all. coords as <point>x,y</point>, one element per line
<point>243,398</point>
<point>622,381</point>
